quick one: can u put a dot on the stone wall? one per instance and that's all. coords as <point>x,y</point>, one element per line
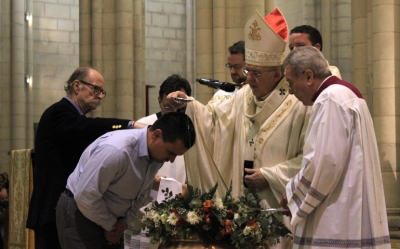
<point>48,50</point>
<point>56,49</point>
<point>333,19</point>
<point>166,46</point>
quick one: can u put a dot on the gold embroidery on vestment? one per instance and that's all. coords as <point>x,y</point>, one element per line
<point>275,120</point>
<point>254,33</point>
<point>262,56</point>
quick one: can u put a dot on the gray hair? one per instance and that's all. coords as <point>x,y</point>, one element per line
<point>79,73</point>
<point>308,57</point>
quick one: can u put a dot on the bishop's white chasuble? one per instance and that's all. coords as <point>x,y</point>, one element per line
<point>275,127</point>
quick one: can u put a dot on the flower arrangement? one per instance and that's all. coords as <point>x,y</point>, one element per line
<point>239,222</point>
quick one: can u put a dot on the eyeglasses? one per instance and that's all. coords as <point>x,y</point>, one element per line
<point>255,74</point>
<point>96,89</point>
<point>236,67</point>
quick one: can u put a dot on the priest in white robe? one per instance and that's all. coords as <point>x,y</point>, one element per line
<point>337,199</point>
<point>261,127</point>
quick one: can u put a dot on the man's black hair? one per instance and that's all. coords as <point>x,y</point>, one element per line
<point>237,48</point>
<point>174,83</point>
<point>176,125</point>
<point>313,33</point>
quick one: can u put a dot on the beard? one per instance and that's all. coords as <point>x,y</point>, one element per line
<point>242,80</point>
<point>237,79</point>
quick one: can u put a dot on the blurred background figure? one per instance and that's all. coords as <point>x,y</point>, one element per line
<point>306,35</point>
<point>3,210</point>
<point>235,62</point>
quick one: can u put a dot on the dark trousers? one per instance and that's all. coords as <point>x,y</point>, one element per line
<point>1,242</point>
<point>46,237</point>
<point>75,231</point>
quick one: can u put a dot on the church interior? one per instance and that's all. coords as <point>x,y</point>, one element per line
<point>136,44</point>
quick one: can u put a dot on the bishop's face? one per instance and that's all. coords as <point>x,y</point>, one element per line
<point>262,80</point>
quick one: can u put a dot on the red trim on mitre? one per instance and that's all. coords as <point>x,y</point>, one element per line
<point>278,23</point>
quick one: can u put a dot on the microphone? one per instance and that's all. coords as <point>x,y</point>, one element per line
<point>227,87</point>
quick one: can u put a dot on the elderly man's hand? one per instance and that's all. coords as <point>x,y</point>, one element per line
<point>173,103</point>
<point>255,179</point>
<point>117,231</point>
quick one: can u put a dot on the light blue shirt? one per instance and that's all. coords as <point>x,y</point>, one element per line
<point>113,176</point>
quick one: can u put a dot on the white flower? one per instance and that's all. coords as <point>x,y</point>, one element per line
<point>172,219</point>
<point>193,218</point>
<point>156,218</point>
<point>246,230</point>
<point>150,214</point>
<point>236,216</point>
<point>219,205</point>
<point>164,218</point>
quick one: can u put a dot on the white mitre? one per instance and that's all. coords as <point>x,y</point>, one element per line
<point>265,39</point>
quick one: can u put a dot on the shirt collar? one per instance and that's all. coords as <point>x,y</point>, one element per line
<point>75,105</point>
<point>142,139</point>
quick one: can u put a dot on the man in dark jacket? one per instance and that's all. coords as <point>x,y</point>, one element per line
<point>63,134</point>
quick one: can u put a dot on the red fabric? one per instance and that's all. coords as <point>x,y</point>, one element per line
<point>277,22</point>
<point>335,80</point>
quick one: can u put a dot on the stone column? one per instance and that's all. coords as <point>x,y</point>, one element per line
<point>341,49</point>
<point>219,44</point>
<point>18,84</point>
<point>251,6</point>
<point>269,6</point>
<point>376,72</point>
<point>326,28</point>
<point>360,46</point>
<point>97,48</point>
<point>139,65</point>
<point>204,47</point>
<point>386,92</point>
<point>29,73</point>
<point>191,43</point>
<point>114,45</point>
<point>235,19</point>
<point>5,83</point>
<point>125,59</point>
<point>104,45</point>
<point>85,33</point>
